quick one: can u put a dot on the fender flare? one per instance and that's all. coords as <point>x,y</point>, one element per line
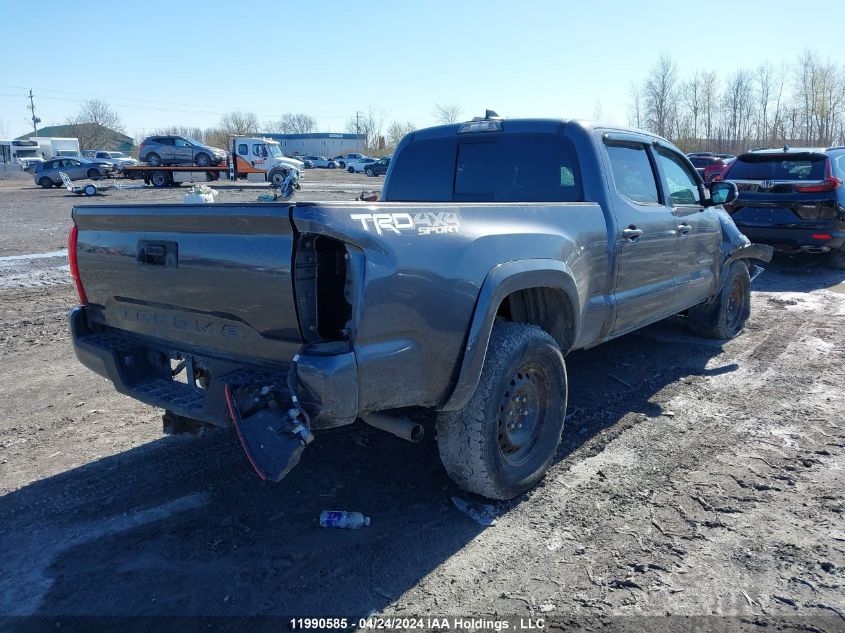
<point>501,281</point>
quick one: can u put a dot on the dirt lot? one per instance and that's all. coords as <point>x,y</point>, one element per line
<point>694,479</point>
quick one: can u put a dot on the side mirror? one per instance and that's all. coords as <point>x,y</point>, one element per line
<point>722,192</point>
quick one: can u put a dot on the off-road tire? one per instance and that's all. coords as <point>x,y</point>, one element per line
<point>45,182</point>
<point>725,316</point>
<point>836,259</point>
<point>153,159</point>
<point>473,442</point>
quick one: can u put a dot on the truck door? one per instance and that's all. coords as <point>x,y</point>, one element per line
<point>258,155</point>
<point>699,230</point>
<point>646,239</point>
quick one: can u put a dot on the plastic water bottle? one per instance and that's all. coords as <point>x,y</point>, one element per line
<point>341,519</point>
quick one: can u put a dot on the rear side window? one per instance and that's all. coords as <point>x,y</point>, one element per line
<point>778,167</point>
<point>632,172</point>
<point>837,163</point>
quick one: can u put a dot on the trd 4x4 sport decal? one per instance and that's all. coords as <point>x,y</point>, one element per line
<point>425,223</point>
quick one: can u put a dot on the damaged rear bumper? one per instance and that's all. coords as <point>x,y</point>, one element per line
<point>327,380</point>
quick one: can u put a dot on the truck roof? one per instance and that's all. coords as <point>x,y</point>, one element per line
<point>527,126</point>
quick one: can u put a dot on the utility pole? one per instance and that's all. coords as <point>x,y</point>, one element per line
<point>31,108</point>
<point>357,131</point>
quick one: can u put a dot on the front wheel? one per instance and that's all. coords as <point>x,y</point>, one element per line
<point>277,178</point>
<point>370,172</point>
<point>45,182</point>
<point>505,439</point>
<point>203,160</point>
<point>351,170</point>
<point>93,174</point>
<point>724,316</point>
<point>331,165</point>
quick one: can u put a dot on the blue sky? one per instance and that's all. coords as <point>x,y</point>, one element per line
<point>187,63</point>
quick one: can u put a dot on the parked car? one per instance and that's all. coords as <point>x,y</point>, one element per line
<point>344,159</point>
<point>179,150</point>
<point>500,247</point>
<point>707,166</point>
<point>378,168</point>
<point>47,173</point>
<point>320,161</point>
<point>358,166</point>
<point>119,159</point>
<point>792,199</point>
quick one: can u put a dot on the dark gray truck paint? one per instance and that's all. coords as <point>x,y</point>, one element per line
<point>388,304</point>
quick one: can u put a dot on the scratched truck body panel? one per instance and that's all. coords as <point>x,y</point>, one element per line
<point>343,310</point>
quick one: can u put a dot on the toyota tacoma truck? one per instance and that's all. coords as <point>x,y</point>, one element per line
<point>498,247</point>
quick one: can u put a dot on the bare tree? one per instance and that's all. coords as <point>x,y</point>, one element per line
<point>180,130</point>
<point>237,123</point>
<point>709,100</point>
<point>370,125</point>
<point>635,106</point>
<point>95,124</point>
<point>449,113</point>
<point>293,123</point>
<point>397,130</point>
<point>659,91</point>
<point>4,129</point>
<point>693,100</point>
<point>598,111</point>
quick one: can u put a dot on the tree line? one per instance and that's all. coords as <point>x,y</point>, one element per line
<point>797,104</point>
<point>91,124</point>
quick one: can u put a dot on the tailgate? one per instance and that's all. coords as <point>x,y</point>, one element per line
<point>213,278</point>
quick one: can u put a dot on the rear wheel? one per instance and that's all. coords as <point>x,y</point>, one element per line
<point>350,169</point>
<point>331,165</point>
<point>505,439</point>
<point>159,179</point>
<point>370,172</point>
<point>45,182</point>
<point>153,159</point>
<point>725,315</point>
<point>203,160</point>
<point>836,259</point>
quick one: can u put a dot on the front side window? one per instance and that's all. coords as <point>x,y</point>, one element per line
<point>632,172</point>
<point>180,142</point>
<point>681,186</point>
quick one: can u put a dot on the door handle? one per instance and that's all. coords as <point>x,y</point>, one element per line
<point>631,233</point>
<point>683,229</point>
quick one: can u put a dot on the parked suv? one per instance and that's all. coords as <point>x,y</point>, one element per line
<point>792,199</point>
<point>179,150</point>
<point>378,168</point>
<point>345,159</point>
<point>119,159</point>
<point>708,166</point>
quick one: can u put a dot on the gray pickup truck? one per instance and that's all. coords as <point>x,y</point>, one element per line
<point>499,246</point>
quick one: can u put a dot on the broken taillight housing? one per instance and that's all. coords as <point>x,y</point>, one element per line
<point>74,265</point>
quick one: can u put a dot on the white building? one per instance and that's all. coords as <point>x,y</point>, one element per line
<point>327,144</point>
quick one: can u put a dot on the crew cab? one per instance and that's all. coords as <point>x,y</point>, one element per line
<point>499,247</point>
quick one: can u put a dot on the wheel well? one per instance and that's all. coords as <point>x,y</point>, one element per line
<point>548,308</point>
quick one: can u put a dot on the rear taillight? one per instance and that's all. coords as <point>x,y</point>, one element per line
<point>830,183</point>
<point>74,265</point>
<point>822,236</point>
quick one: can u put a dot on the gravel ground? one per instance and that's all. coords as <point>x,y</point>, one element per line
<point>695,479</point>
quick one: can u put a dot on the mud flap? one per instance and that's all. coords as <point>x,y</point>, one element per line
<point>272,438</point>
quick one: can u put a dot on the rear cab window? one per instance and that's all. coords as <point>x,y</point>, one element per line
<point>487,168</point>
